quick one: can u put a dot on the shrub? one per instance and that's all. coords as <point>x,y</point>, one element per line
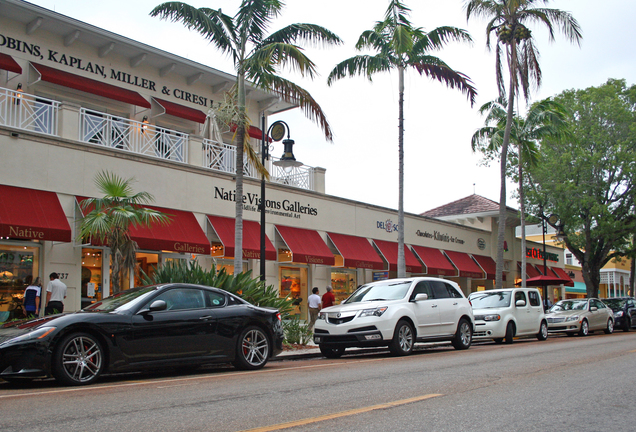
<point>296,331</point>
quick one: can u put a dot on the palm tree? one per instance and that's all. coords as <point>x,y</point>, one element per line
<point>109,220</point>
<point>508,19</point>
<point>399,45</point>
<point>544,119</point>
<point>257,58</point>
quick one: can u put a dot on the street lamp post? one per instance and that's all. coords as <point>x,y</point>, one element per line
<point>276,132</point>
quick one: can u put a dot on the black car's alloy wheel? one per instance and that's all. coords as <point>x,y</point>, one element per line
<point>403,339</point>
<point>628,325</point>
<point>253,349</point>
<point>332,352</point>
<point>78,359</point>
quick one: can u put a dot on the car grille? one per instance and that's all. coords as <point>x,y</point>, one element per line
<point>556,320</point>
<point>479,317</point>
<point>342,320</point>
<point>478,334</point>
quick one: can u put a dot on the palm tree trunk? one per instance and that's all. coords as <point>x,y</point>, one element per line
<point>501,234</point>
<point>240,139</point>
<point>401,262</point>
<point>522,205</point>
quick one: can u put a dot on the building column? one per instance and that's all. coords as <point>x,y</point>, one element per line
<point>195,150</point>
<point>69,121</point>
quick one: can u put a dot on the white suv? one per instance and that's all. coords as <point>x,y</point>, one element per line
<point>396,313</point>
<point>503,314</point>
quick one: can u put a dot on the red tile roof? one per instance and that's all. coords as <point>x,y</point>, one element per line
<point>470,205</point>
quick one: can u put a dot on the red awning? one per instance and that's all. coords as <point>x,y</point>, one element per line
<point>389,251</point>
<point>435,261</point>
<point>306,245</point>
<point>32,214</point>
<point>224,228</point>
<point>531,270</point>
<point>7,63</point>
<point>253,131</point>
<point>357,252</point>
<point>181,111</point>
<point>182,234</point>
<point>89,85</point>
<point>563,275</point>
<point>489,266</point>
<point>465,264</point>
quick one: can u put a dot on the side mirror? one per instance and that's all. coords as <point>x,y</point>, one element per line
<point>593,308</point>
<point>520,303</point>
<point>421,296</point>
<point>158,305</point>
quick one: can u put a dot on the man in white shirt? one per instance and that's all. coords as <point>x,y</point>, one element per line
<point>55,295</point>
<point>314,303</point>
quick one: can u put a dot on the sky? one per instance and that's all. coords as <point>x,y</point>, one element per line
<point>362,161</point>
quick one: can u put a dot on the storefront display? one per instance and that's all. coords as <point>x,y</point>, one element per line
<point>19,266</point>
<point>343,282</point>
<point>92,285</point>
<point>293,286</point>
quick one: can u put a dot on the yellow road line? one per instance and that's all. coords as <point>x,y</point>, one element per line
<point>342,414</point>
<point>632,351</point>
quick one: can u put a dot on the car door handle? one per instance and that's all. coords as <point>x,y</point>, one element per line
<point>207,317</point>
<point>433,306</point>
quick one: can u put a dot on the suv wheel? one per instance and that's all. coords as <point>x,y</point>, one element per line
<point>463,336</point>
<point>403,339</point>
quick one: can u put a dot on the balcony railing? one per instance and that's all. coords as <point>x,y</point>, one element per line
<point>222,157</point>
<point>132,136</point>
<point>29,112</point>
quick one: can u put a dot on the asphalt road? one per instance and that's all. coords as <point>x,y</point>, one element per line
<point>562,384</point>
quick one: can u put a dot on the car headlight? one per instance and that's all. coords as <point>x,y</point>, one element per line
<point>322,315</point>
<point>618,314</point>
<point>572,318</point>
<point>40,333</point>
<point>492,317</point>
<point>374,312</point>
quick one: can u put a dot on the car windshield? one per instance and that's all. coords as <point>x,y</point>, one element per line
<point>483,300</point>
<point>615,304</point>
<point>566,305</point>
<point>122,300</point>
<point>390,290</point>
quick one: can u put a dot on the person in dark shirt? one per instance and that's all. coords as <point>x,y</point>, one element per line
<point>31,302</point>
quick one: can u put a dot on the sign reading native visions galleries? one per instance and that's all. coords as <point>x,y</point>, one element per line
<point>252,202</point>
<point>100,71</point>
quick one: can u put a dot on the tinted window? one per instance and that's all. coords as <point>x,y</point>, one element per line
<point>452,292</point>
<point>599,304</point>
<point>182,298</point>
<point>439,290</point>
<point>520,295</point>
<point>534,298</point>
<point>215,299</point>
<point>422,287</point>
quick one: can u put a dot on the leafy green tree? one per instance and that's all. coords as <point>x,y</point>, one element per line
<point>258,58</point>
<point>508,20</point>
<point>110,218</point>
<point>544,119</point>
<point>399,45</point>
<point>589,182</point>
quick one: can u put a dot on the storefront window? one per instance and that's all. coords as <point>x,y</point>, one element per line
<point>146,263</point>
<point>293,286</point>
<point>19,266</point>
<point>343,282</point>
<point>92,284</point>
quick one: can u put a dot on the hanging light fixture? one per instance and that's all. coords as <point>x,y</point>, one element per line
<point>144,124</point>
<point>18,94</point>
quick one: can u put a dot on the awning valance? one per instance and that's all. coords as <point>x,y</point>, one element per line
<point>224,229</point>
<point>489,266</point>
<point>305,245</point>
<point>465,264</point>
<point>182,234</point>
<point>531,271</point>
<point>435,261</point>
<point>563,275</point>
<point>389,250</point>
<point>356,252</point>
<point>9,64</point>
<point>32,215</point>
<point>88,85</point>
<point>253,132</point>
<point>181,111</point>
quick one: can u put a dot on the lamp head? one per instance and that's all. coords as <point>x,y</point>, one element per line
<point>288,161</point>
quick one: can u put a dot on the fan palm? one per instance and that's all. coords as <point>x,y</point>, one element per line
<point>507,20</point>
<point>110,218</point>
<point>399,45</point>
<point>257,58</point>
<point>544,119</point>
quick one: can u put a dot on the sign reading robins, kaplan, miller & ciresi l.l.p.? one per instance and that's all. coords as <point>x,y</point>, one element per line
<point>98,70</point>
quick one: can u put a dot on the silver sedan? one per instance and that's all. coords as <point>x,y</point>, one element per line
<point>580,316</point>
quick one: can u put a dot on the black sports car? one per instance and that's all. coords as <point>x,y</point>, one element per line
<point>147,327</point>
<point>624,311</point>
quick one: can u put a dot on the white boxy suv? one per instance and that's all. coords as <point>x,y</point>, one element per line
<point>503,314</point>
<point>396,313</point>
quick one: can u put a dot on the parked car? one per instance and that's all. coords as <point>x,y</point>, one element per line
<point>396,313</point>
<point>624,311</point>
<point>505,313</point>
<point>156,326</point>
<point>580,316</point>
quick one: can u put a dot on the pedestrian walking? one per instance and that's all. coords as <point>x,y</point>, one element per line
<point>31,302</point>
<point>55,295</point>
<point>328,299</point>
<point>313,302</point>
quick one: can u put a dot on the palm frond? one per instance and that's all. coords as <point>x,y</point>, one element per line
<point>360,65</point>
<point>436,69</point>
<point>314,34</point>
